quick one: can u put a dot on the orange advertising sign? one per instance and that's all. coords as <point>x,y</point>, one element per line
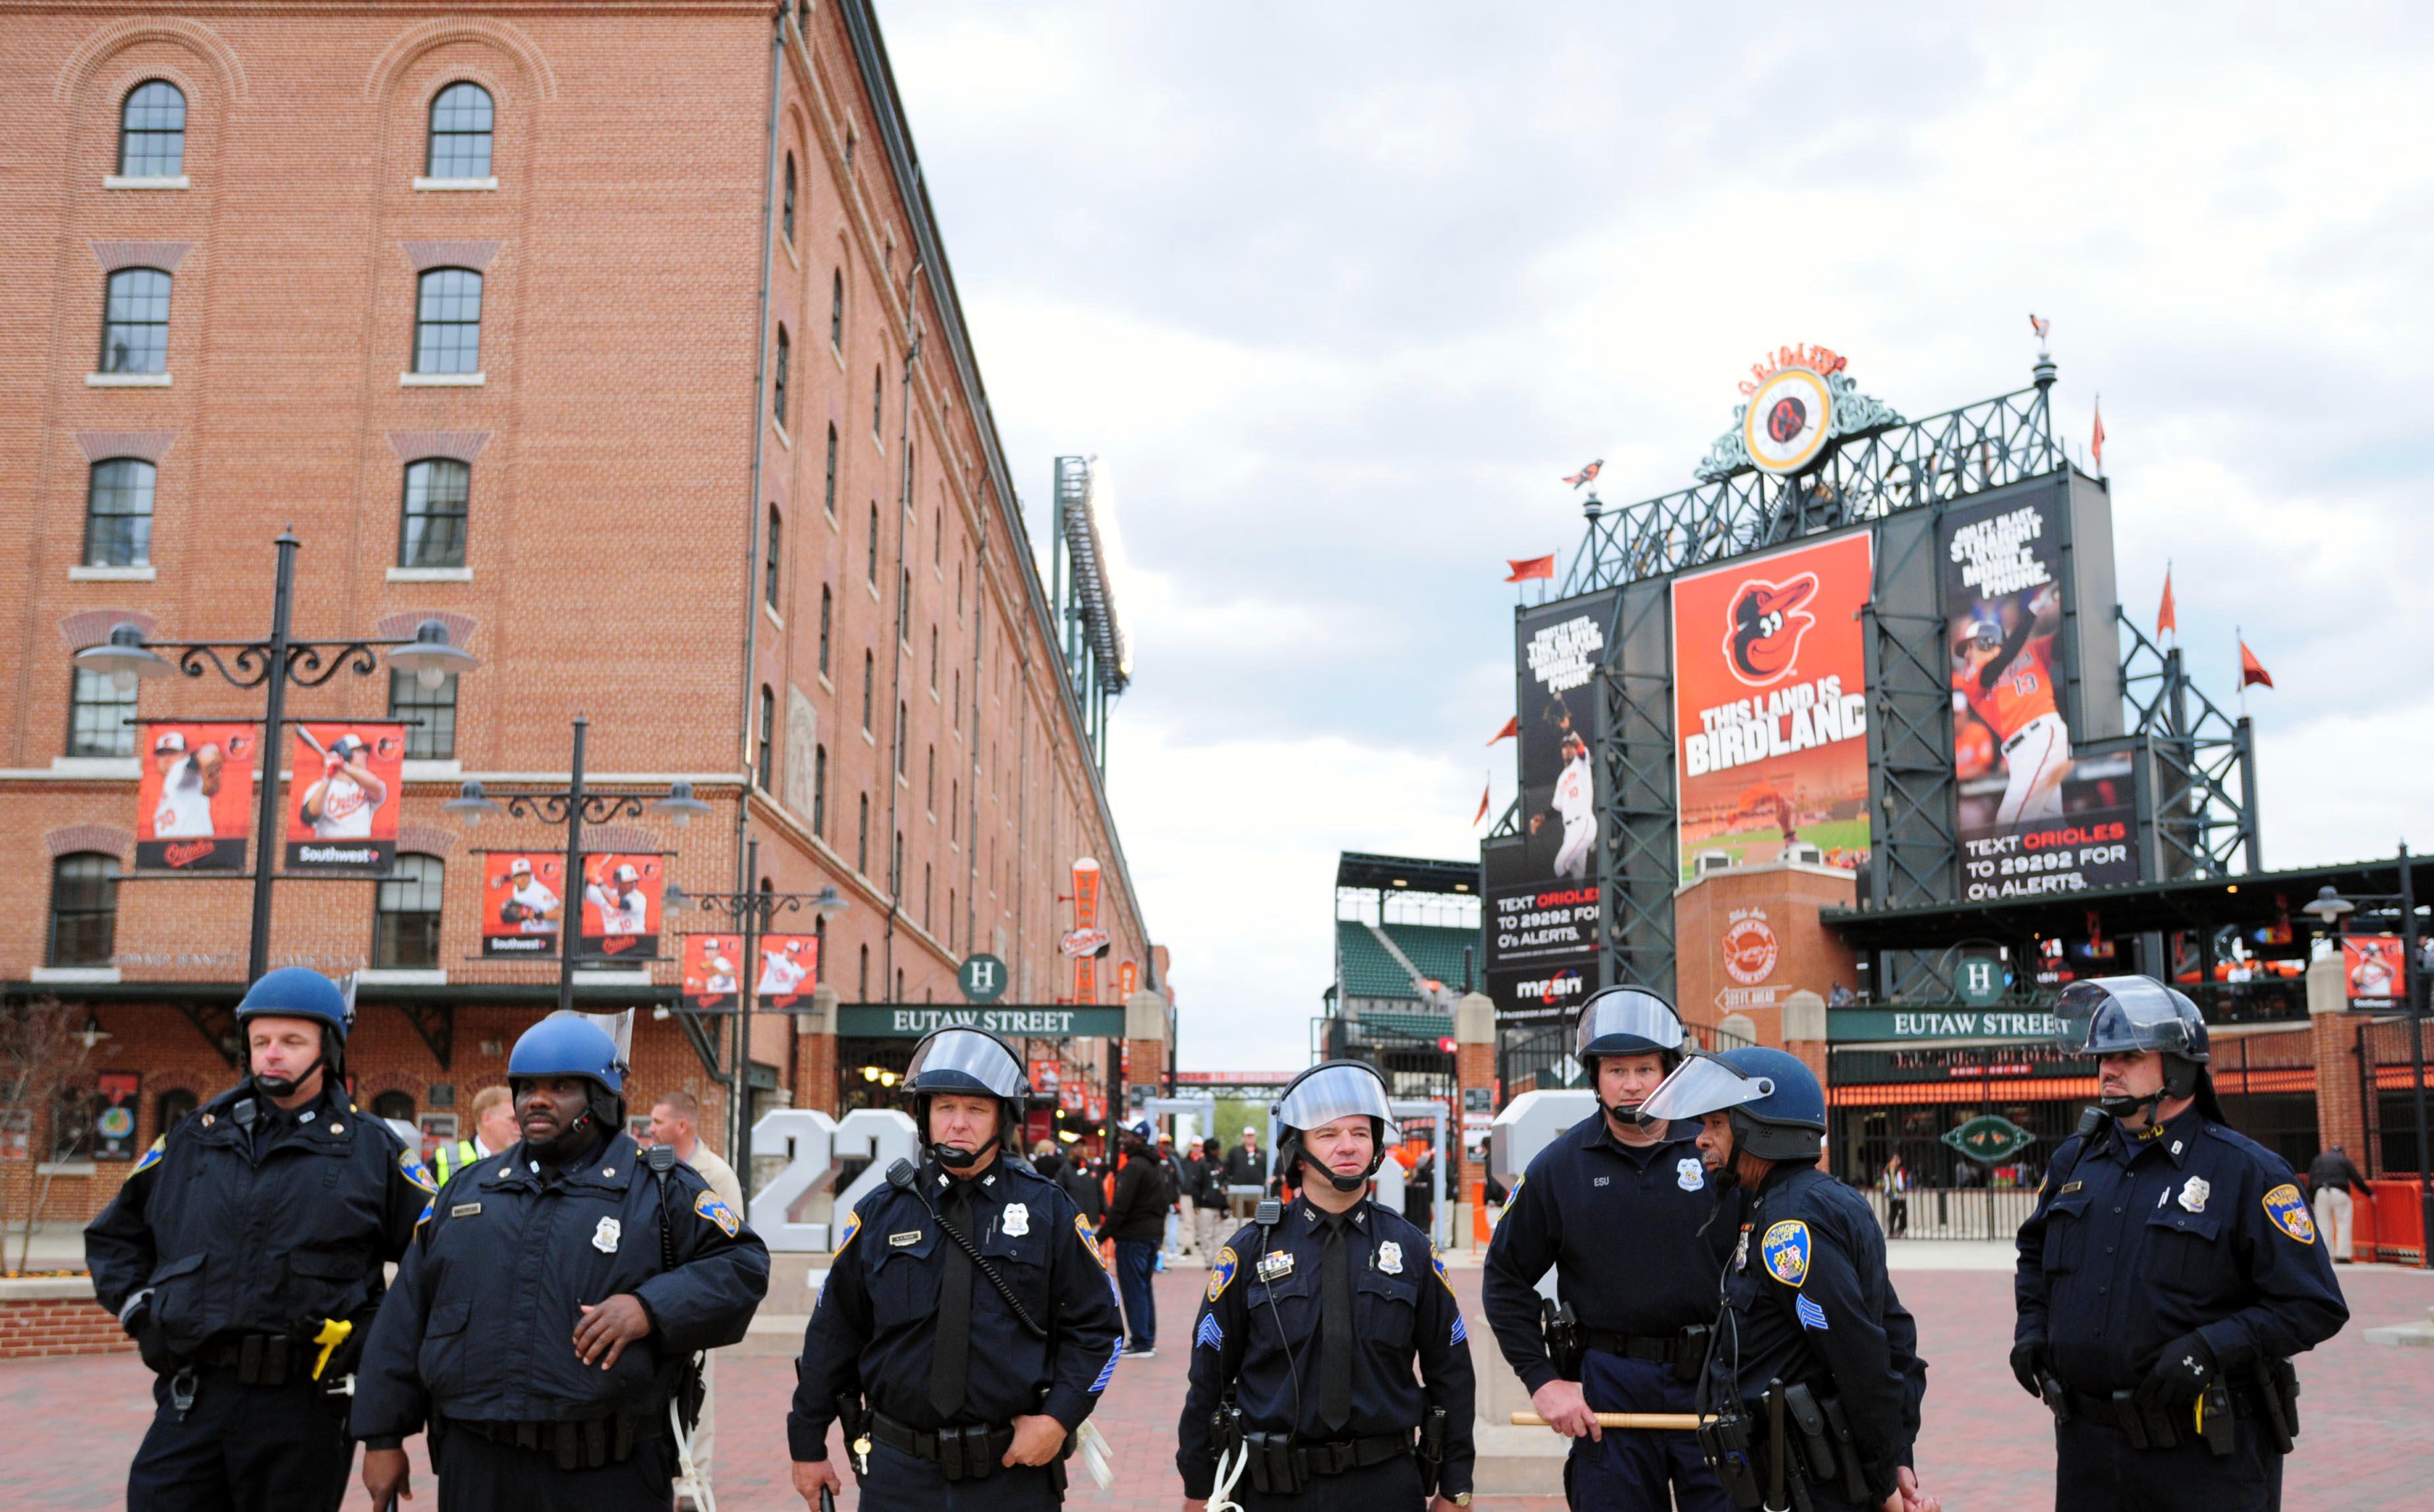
<point>194,798</point>
<point>343,800</point>
<point>1770,703</point>
<point>2371,964</point>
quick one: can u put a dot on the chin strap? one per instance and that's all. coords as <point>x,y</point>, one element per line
<point>957,1159</point>
<point>2122,1109</point>
<point>285,1086</point>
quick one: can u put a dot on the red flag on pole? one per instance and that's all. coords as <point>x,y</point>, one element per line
<point>1530,567</point>
<point>2165,618</point>
<point>1482,807</point>
<point>2251,669</point>
<point>2096,444</point>
<point>1512,728</point>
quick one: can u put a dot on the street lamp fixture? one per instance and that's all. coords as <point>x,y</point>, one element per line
<point>471,805</point>
<point>124,658</point>
<point>2330,908</point>
<point>430,657</point>
<point>681,807</point>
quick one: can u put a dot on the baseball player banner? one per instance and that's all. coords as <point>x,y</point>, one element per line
<point>1770,704</point>
<point>710,983</point>
<point>344,796</point>
<point>117,1094</point>
<point>194,798</point>
<point>524,895</point>
<point>2034,817</point>
<point>2370,965</point>
<point>621,906</point>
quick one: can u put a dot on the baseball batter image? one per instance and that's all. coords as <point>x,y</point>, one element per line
<point>529,905</point>
<point>340,805</point>
<point>2007,676</point>
<point>781,970</point>
<point>188,781</point>
<point>2373,976</point>
<point>620,902</point>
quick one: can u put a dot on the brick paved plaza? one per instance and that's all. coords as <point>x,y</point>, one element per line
<point>2368,1413</point>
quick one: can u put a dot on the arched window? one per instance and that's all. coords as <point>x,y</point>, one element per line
<point>827,496</point>
<point>394,1104</point>
<point>406,913</point>
<point>135,321</point>
<point>930,784</point>
<point>836,309</point>
<point>118,513</point>
<point>925,895</point>
<point>460,133</point>
<point>905,608</point>
<point>878,399</point>
<point>99,711</point>
<point>84,909</point>
<point>789,210</point>
<point>769,573</point>
<point>431,517</point>
<point>899,737</point>
<point>448,321</point>
<point>778,388</point>
<point>171,1107</point>
<point>933,658</point>
<point>862,837</point>
<point>152,132</point>
<point>874,543</point>
<point>763,755</point>
<point>827,611</point>
<point>820,791</point>
<point>866,681</point>
<point>864,990</point>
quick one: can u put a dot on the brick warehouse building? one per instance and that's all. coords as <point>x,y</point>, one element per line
<point>584,331</point>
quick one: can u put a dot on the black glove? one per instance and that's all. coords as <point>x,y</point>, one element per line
<point>2028,1363</point>
<point>152,1345</point>
<point>2180,1374</point>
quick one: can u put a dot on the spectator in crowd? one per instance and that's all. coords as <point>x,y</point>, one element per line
<point>1135,1221</point>
<point>1209,1194</point>
<point>1045,1160</point>
<point>1419,1196</point>
<point>1081,1183</point>
<point>1392,1179</point>
<point>2330,1177</point>
<point>674,1119</point>
<point>1894,1181</point>
<point>1170,1172</point>
<point>1246,1167</point>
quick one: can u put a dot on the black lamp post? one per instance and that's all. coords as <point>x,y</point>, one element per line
<point>274,663</point>
<point>2334,910</point>
<point>571,807</point>
<point>755,910</point>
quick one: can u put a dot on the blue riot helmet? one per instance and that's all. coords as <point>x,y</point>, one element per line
<point>568,1044</point>
<point>300,993</point>
<point>1776,1106</point>
<point>2121,1015</point>
<point>1626,1021</point>
<point>1325,1092</point>
<point>973,1062</point>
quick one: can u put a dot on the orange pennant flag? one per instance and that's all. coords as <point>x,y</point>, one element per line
<point>1483,806</point>
<point>1530,567</point>
<point>2096,444</point>
<point>2165,618</point>
<point>2251,669</point>
<point>1512,728</point>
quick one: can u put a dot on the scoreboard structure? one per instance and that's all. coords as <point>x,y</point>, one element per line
<point>1883,647</point>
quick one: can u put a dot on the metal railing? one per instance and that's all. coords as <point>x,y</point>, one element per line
<point>1954,1212</point>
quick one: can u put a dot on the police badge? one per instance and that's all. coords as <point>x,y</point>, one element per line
<point>1390,1258</point>
<point>604,1238</point>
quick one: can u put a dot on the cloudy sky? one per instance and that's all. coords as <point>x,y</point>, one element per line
<point>1338,293</point>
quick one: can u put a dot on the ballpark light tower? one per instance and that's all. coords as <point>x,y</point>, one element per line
<point>1098,665</point>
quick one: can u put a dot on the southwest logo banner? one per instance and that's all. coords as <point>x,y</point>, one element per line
<point>194,798</point>
<point>343,798</point>
<point>621,906</point>
<point>524,898</point>
<point>1770,704</point>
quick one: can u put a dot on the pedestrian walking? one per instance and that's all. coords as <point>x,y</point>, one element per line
<point>2331,1175</point>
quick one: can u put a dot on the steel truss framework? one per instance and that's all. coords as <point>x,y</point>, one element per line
<point>2196,773</point>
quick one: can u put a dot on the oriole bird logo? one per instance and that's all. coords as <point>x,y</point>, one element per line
<point>1767,623</point>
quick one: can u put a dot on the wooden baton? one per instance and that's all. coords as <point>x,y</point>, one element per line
<point>1676,1421</point>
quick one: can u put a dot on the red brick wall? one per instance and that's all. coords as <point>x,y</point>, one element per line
<point>31,1329</point>
<point>1786,901</point>
<point>613,526</point>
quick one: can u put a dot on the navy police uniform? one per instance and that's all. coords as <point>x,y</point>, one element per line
<point>2139,1243</point>
<point>476,1343</point>
<point>239,1238</point>
<point>1808,1302</point>
<point>1633,1236</point>
<point>883,1338</point>
<point>1260,1340</point>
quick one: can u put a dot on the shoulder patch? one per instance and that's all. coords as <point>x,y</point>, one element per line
<point>414,1172</point>
<point>2289,1212</point>
<point>1514,1192</point>
<point>1082,1227</point>
<point>706,1203</point>
<point>1221,1275</point>
<point>151,1157</point>
<point>1437,1262</point>
<point>424,1216</point>
<point>853,1226</point>
<point>1785,1249</point>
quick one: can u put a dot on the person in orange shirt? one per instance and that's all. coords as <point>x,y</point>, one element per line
<point>2008,681</point>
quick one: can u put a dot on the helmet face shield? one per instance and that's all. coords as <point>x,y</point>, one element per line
<point>2117,1014</point>
<point>1628,1022</point>
<point>966,1060</point>
<point>1334,1090</point>
<point>1703,1084</point>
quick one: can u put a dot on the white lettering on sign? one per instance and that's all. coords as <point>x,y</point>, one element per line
<point>1563,655</point>
<point>1994,555</point>
<point>1789,719</point>
<point>814,1146</point>
<point>2012,1025</point>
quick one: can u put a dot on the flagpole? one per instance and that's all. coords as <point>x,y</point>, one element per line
<point>2239,645</point>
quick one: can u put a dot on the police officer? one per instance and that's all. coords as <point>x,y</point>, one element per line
<point>245,1256</point>
<point>1814,1376</point>
<point>1301,1363</point>
<point>494,1130</point>
<point>552,1307</point>
<point>1621,1209</point>
<point>2170,1272</point>
<point>967,1326</point>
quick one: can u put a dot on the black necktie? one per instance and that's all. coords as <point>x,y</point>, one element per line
<point>1335,1330</point>
<point>951,1356</point>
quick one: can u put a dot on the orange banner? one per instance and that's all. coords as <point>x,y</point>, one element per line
<point>194,798</point>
